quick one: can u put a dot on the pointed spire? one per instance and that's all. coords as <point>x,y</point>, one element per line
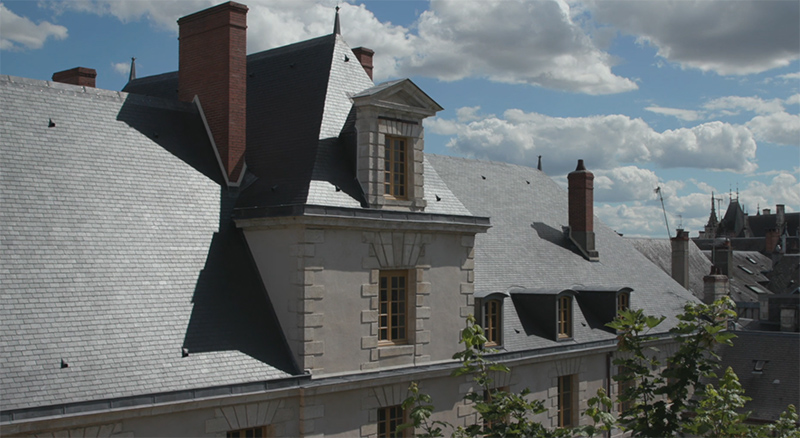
<point>133,70</point>
<point>336,29</point>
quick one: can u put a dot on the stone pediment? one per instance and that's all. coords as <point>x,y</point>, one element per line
<point>401,95</point>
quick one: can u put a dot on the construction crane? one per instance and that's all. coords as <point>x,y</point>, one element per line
<point>658,191</point>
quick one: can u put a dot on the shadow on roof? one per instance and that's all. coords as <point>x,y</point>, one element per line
<point>176,127</point>
<point>231,308</point>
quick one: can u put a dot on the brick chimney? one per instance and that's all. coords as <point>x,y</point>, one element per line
<point>364,56</point>
<point>76,76</point>
<point>715,286</point>
<point>780,216</point>
<point>581,210</point>
<point>213,67</point>
<point>680,258</point>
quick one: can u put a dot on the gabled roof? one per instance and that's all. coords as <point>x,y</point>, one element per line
<point>399,94</point>
<point>527,248</point>
<point>117,253</point>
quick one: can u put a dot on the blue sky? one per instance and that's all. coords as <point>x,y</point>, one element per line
<point>692,97</point>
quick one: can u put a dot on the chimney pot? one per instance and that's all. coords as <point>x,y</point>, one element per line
<point>76,76</point>
<point>364,56</point>
<point>213,67</point>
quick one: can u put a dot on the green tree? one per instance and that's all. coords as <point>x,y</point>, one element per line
<point>656,403</point>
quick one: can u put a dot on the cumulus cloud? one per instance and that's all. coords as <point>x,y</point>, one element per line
<point>645,217</point>
<point>519,42</point>
<point>630,183</point>
<point>727,37</point>
<point>604,142</point>
<point>781,128</point>
<point>534,43</point>
<point>20,33</point>
<point>123,68</point>
<point>683,114</point>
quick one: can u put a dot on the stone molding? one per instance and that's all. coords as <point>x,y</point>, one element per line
<point>105,430</point>
<point>274,414</point>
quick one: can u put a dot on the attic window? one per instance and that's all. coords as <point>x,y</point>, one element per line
<point>750,259</point>
<point>756,289</point>
<point>758,366</point>
<point>564,317</point>
<point>623,301</point>
<point>492,316</point>
<point>745,269</point>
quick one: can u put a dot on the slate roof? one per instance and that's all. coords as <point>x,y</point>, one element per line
<point>778,385</point>
<point>747,279</point>
<point>526,248</point>
<point>117,253</point>
<point>659,251</point>
<point>300,127</point>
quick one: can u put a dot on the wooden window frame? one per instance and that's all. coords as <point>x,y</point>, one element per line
<point>623,301</point>
<point>492,312</point>
<point>395,161</point>
<point>388,419</point>
<point>389,315</point>
<point>564,328</point>
<point>621,388</point>
<point>265,431</point>
<point>566,401</point>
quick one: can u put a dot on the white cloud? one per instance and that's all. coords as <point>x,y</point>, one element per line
<point>688,115</point>
<point>604,142</point>
<point>123,68</point>
<point>754,104</point>
<point>534,43</point>
<point>781,128</point>
<point>644,216</point>
<point>727,37</point>
<point>451,40</point>
<point>20,33</point>
<point>790,76</point>
<point>793,100</point>
<point>630,183</point>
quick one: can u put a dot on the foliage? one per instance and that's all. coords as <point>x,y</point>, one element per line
<point>716,413</point>
<point>655,402</point>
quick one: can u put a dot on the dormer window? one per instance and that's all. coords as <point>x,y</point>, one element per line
<point>623,301</point>
<point>564,317</point>
<point>390,142</point>
<point>492,317</point>
<point>395,168</point>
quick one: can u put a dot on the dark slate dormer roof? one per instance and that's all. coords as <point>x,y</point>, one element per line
<point>526,248</point>
<point>297,107</point>
<point>115,257</point>
<point>734,222</point>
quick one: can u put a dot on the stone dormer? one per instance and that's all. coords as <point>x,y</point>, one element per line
<point>391,142</point>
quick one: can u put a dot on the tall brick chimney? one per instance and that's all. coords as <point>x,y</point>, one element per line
<point>213,67</point>
<point>76,76</point>
<point>581,210</point>
<point>680,258</point>
<point>364,56</point>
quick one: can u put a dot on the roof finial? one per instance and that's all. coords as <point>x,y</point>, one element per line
<point>540,163</point>
<point>133,70</point>
<point>336,29</point>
